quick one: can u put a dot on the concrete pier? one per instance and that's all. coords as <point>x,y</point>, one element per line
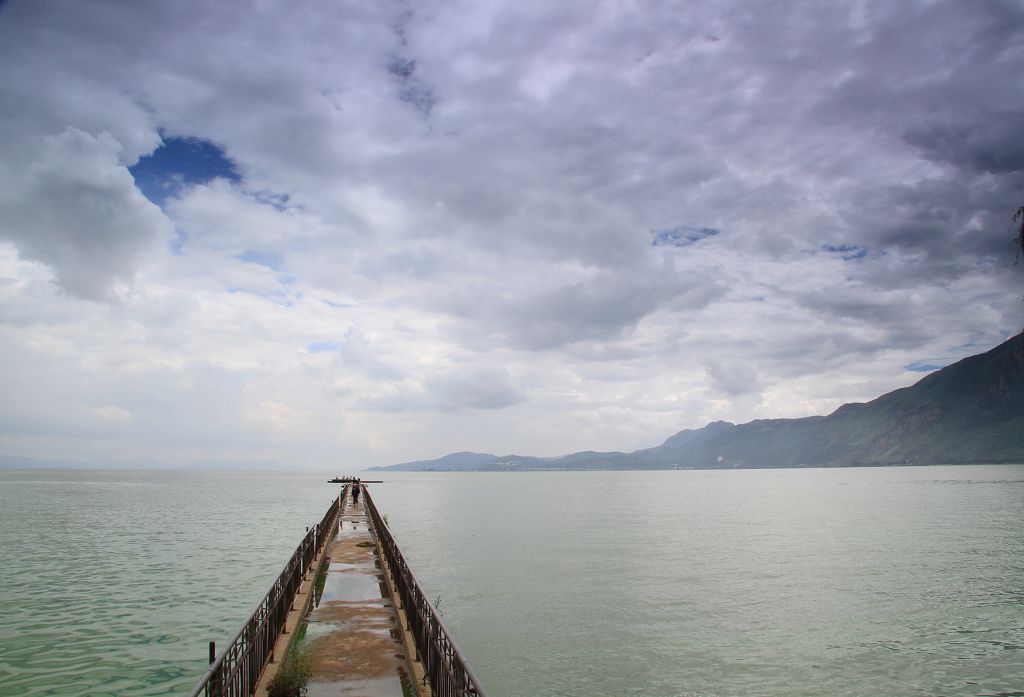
<point>352,635</point>
<point>331,608</point>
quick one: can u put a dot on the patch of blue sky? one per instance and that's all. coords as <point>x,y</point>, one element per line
<point>177,245</point>
<point>682,235</point>
<point>922,367</point>
<point>339,306</point>
<point>179,163</point>
<point>848,252</point>
<point>280,297</point>
<point>977,343</point>
<point>272,260</point>
<point>279,201</point>
<point>323,346</point>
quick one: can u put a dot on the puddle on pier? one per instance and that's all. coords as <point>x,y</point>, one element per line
<point>397,686</point>
<point>347,550</point>
<point>351,583</point>
<point>355,616</point>
<point>348,528</point>
<point>352,636</point>
<point>364,658</point>
<point>311,631</point>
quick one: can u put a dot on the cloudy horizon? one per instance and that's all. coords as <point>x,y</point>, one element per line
<point>353,234</point>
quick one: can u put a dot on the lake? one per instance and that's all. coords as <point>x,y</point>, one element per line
<point>874,581</point>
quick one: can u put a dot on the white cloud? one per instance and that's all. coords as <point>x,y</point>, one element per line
<point>76,209</point>
<point>468,241</point>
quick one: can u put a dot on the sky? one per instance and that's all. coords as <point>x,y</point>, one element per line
<point>343,234</point>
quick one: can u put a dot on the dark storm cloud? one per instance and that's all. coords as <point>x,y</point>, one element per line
<point>473,388</point>
<point>936,78</point>
<point>410,87</point>
<point>734,379</point>
<point>953,224</point>
<point>600,308</point>
<point>991,145</point>
<point>463,388</point>
<point>864,306</point>
<point>77,210</point>
<point>613,211</point>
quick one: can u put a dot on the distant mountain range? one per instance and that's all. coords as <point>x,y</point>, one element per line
<point>969,412</point>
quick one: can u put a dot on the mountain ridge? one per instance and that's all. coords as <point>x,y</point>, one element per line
<point>970,411</point>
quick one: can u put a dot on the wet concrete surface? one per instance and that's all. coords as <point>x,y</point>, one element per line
<point>351,632</point>
<point>356,688</point>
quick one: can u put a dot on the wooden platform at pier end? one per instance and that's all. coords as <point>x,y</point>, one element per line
<point>353,637</point>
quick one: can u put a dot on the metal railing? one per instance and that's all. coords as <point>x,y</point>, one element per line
<point>236,671</point>
<point>446,668</point>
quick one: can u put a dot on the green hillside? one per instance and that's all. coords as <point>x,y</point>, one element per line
<point>970,411</point>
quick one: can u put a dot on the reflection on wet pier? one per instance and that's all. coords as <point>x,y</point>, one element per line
<point>352,634</point>
<point>333,609</point>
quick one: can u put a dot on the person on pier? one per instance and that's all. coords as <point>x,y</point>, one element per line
<point>355,492</point>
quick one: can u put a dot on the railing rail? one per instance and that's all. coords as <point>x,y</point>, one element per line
<point>446,668</point>
<point>237,669</point>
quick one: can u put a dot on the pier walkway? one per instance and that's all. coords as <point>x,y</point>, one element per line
<point>357,614</point>
<point>352,636</point>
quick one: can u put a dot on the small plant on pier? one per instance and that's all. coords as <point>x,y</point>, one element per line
<point>293,678</point>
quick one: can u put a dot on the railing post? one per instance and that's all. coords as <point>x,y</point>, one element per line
<point>444,665</point>
<point>302,556</point>
<point>237,672</point>
<point>249,650</point>
<point>215,679</point>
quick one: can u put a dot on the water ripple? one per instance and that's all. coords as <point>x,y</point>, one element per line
<point>870,582</point>
<point>114,582</point>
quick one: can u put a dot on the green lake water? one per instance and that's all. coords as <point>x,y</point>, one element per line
<point>896,581</point>
<point>863,582</point>
<point>114,582</point>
